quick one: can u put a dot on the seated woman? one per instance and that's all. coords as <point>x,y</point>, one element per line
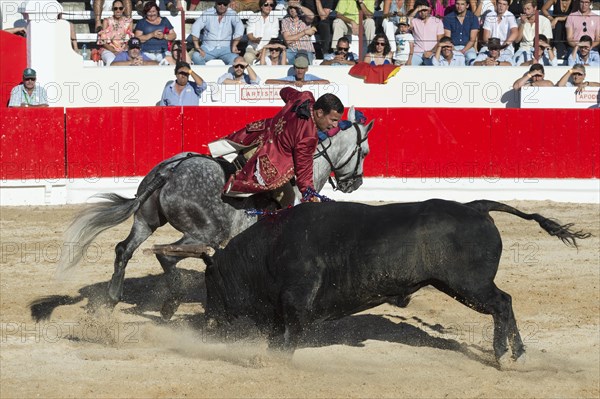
<point>273,53</point>
<point>115,33</point>
<point>379,51</point>
<point>297,34</point>
<point>155,33</point>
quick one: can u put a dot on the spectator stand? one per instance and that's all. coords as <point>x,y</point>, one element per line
<point>78,13</point>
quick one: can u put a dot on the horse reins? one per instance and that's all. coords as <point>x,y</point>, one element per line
<point>357,149</point>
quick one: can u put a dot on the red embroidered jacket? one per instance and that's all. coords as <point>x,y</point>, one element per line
<point>286,144</point>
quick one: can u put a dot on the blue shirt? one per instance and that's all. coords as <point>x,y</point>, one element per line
<point>307,78</point>
<point>218,34</point>
<point>189,96</point>
<point>528,56</point>
<point>458,59</point>
<point>461,33</point>
<point>229,75</point>
<point>154,45</point>
<point>593,59</point>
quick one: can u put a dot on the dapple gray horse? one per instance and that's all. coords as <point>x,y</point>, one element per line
<point>185,191</point>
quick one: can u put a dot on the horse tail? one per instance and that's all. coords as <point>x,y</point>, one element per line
<point>96,218</point>
<point>552,227</point>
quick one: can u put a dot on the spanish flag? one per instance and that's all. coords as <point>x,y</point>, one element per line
<point>377,74</point>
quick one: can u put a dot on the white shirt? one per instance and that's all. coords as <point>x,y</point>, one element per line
<point>486,8</point>
<point>500,29</point>
<point>265,28</point>
<point>403,46</point>
<point>529,32</point>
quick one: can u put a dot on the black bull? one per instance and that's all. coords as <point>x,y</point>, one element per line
<point>324,261</point>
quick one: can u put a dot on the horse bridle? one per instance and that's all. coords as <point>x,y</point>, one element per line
<point>357,149</point>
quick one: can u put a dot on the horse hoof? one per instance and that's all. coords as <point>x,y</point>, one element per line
<point>168,310</point>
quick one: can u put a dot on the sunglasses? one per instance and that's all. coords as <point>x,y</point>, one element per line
<point>380,44</point>
<point>275,49</point>
<point>577,74</point>
<point>343,48</point>
<point>29,79</point>
<point>118,8</point>
<point>446,47</point>
<point>585,26</point>
<point>268,5</point>
<point>183,74</point>
<point>240,66</point>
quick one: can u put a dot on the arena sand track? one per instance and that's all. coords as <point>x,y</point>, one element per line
<point>433,348</point>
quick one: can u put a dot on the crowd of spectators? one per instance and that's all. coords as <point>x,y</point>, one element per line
<point>412,32</point>
<point>401,32</point>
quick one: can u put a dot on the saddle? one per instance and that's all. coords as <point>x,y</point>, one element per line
<point>267,200</point>
<point>229,168</point>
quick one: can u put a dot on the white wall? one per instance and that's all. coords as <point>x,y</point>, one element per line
<point>76,191</point>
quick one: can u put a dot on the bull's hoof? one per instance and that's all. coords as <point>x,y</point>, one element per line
<point>400,301</point>
<point>168,309</point>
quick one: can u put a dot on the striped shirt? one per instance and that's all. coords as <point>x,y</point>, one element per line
<point>18,96</point>
<point>288,25</point>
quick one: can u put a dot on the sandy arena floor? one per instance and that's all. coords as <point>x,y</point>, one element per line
<point>433,348</point>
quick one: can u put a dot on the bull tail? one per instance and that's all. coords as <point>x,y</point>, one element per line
<point>98,217</point>
<point>552,227</point>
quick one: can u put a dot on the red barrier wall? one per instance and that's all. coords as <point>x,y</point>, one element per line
<point>426,143</point>
<point>33,143</point>
<point>109,142</point>
<point>201,125</point>
<point>14,60</point>
<point>447,143</point>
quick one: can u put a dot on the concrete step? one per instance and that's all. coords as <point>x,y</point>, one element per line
<point>81,27</point>
<point>76,5</point>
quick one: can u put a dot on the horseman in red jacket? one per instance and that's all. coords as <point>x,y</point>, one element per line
<point>281,147</point>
